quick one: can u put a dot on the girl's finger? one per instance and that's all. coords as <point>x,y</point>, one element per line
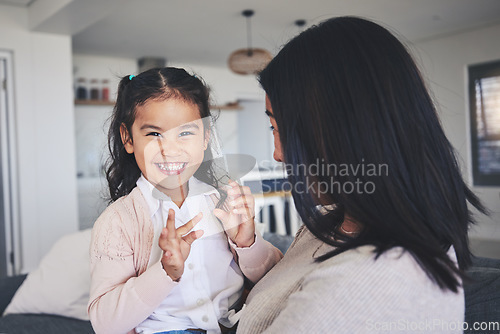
<point>222,215</point>
<point>243,201</point>
<point>225,219</point>
<point>162,241</point>
<point>190,224</point>
<point>233,183</point>
<point>171,224</point>
<point>166,243</point>
<point>238,191</point>
<point>244,211</point>
<point>191,237</point>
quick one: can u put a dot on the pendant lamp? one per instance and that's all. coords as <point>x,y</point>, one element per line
<point>249,60</point>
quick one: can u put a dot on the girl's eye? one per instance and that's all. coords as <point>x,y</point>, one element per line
<point>272,128</point>
<point>155,134</point>
<point>185,133</point>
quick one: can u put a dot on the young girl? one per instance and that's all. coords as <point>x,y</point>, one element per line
<point>149,272</point>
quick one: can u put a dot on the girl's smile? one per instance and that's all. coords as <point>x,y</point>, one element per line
<point>172,168</point>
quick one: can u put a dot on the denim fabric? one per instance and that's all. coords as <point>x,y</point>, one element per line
<point>191,331</point>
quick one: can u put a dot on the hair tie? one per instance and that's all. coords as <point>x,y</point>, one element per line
<point>130,77</point>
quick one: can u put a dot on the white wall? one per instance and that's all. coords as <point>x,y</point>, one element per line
<point>255,133</point>
<point>91,129</point>
<point>225,85</point>
<point>444,61</point>
<point>45,133</point>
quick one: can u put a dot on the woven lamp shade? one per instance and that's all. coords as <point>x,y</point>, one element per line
<point>248,61</point>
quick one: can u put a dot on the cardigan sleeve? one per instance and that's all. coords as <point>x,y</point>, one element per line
<point>120,296</point>
<point>255,261</point>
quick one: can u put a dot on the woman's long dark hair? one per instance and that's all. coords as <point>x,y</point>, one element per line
<point>347,94</point>
<point>160,84</point>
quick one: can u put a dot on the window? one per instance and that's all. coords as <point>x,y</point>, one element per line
<point>484,96</point>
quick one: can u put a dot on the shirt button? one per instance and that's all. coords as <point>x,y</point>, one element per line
<point>190,266</point>
<point>204,318</point>
<point>200,302</point>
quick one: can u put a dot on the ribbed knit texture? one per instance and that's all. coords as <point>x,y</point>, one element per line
<point>349,293</point>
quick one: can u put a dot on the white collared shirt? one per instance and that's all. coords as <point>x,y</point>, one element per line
<point>212,281</point>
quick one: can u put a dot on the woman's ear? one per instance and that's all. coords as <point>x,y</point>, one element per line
<point>206,140</point>
<point>126,139</point>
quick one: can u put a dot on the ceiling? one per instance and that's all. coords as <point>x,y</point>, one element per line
<point>207,31</point>
<point>19,3</point>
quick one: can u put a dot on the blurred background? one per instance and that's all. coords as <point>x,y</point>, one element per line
<point>61,60</point>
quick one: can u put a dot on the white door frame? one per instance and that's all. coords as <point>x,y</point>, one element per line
<point>9,164</point>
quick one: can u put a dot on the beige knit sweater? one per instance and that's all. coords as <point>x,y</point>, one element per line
<point>349,293</point>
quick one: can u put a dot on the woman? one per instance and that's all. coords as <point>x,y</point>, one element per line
<point>376,182</point>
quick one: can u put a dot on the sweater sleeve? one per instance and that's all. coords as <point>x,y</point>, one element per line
<point>120,298</point>
<point>255,261</point>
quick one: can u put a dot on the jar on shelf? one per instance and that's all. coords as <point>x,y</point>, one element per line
<point>94,89</point>
<point>81,89</point>
<point>105,90</point>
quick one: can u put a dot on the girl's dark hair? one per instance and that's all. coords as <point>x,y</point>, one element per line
<point>347,95</point>
<point>160,84</point>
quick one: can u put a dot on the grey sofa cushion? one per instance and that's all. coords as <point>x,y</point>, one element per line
<point>43,323</point>
<point>34,323</point>
<point>8,287</point>
<point>482,295</point>
<point>282,242</point>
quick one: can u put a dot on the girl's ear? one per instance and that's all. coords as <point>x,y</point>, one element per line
<point>206,140</point>
<point>126,139</point>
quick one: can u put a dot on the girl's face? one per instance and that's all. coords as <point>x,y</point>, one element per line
<point>168,141</point>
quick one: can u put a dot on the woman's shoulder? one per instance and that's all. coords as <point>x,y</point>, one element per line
<point>395,262</point>
<point>391,286</point>
<point>364,260</point>
<point>389,291</point>
<point>396,272</point>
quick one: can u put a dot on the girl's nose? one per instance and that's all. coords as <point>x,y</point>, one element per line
<point>169,148</point>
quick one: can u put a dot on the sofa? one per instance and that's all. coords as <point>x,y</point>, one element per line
<point>482,299</point>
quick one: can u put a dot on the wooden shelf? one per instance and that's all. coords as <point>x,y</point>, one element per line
<point>94,103</point>
<point>229,106</point>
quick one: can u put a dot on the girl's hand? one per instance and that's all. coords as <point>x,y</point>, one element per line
<point>176,244</point>
<point>238,220</point>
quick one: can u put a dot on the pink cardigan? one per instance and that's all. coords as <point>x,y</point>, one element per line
<point>122,292</point>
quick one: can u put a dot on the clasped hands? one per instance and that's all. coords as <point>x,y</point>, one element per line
<point>237,220</point>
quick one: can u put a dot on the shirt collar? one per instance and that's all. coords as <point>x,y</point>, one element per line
<point>153,196</point>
